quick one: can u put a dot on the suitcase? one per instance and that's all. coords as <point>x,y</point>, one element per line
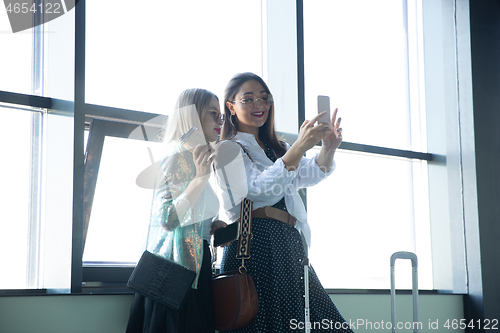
<point>414,264</point>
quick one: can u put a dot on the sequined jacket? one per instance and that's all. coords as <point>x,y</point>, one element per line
<point>176,228</point>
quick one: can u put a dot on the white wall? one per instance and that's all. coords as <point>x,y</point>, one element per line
<point>64,314</point>
<point>377,308</point>
<point>109,314</point>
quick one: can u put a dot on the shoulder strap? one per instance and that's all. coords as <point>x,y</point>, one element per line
<point>246,152</point>
<point>245,237</point>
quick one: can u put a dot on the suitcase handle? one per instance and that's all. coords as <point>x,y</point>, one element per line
<point>414,263</point>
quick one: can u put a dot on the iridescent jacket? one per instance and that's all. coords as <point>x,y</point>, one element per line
<point>176,228</point>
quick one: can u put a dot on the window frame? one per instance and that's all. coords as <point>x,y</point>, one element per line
<point>100,276</point>
<point>98,130</point>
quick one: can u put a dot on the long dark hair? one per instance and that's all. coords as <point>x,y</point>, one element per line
<point>267,132</point>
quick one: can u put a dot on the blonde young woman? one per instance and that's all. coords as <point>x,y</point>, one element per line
<point>270,173</point>
<point>183,216</point>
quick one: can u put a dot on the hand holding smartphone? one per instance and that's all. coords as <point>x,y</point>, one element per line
<point>192,138</point>
<point>324,105</point>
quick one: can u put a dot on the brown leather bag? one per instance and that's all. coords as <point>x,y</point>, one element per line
<point>234,296</point>
<point>235,300</point>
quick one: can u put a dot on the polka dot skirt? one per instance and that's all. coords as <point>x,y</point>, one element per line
<point>276,266</point>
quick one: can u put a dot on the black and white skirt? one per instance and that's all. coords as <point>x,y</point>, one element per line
<point>276,266</point>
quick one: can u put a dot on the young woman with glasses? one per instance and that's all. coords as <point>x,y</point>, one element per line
<point>270,175</point>
<point>183,215</point>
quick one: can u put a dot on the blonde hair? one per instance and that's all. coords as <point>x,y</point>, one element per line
<point>189,111</point>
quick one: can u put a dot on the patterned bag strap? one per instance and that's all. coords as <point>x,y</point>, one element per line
<point>245,237</point>
<point>244,241</point>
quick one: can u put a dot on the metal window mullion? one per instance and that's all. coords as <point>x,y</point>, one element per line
<point>301,94</point>
<point>78,153</point>
<point>413,238</point>
<point>34,216</point>
<point>34,223</point>
<point>300,63</point>
<point>38,80</point>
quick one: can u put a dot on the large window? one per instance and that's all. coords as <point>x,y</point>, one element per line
<point>140,56</point>
<point>369,208</point>
<point>18,193</point>
<point>144,65</point>
<point>357,52</point>
<point>365,56</point>
<point>37,142</point>
<point>117,205</point>
<point>15,66</point>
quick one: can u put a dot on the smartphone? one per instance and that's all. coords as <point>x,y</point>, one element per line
<point>324,105</point>
<point>192,138</point>
<point>227,234</point>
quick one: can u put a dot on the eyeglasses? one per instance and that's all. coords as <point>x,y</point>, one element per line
<point>217,116</point>
<point>249,102</point>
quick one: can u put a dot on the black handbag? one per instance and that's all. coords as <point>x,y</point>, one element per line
<point>161,280</point>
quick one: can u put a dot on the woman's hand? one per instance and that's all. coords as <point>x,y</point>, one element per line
<point>334,139</point>
<point>217,225</point>
<point>203,156</point>
<point>330,143</point>
<point>310,134</point>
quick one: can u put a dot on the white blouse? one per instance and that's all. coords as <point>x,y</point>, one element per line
<point>262,181</point>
